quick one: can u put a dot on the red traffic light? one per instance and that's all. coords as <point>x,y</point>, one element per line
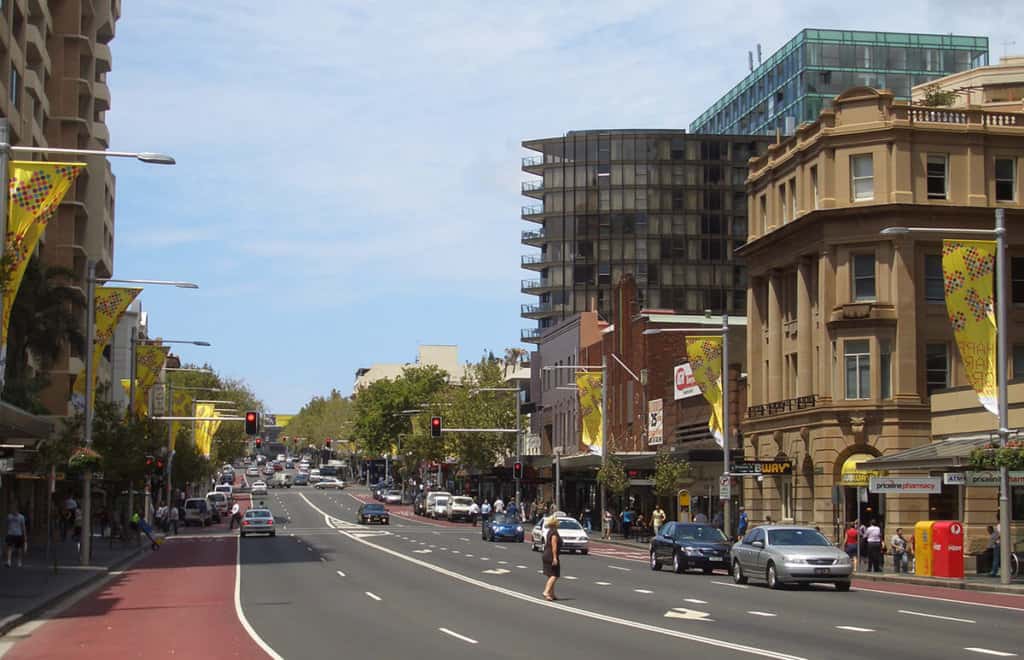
<point>252,422</point>
<point>160,464</point>
<point>259,442</point>
<point>517,470</point>
<point>149,461</point>
<point>327,442</point>
<point>435,427</point>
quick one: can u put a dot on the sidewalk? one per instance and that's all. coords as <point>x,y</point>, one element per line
<point>34,587</point>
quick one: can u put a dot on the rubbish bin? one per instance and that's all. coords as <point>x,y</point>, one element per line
<point>984,562</point>
<point>923,547</point>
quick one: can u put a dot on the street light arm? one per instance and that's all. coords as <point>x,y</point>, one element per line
<point>145,156</point>
<point>180,285</point>
<point>943,231</point>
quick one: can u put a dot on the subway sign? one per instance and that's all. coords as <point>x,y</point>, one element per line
<point>771,468</point>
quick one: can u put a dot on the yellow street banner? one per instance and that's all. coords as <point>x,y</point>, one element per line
<point>591,414</point>
<point>111,303</point>
<point>705,354</point>
<point>967,268</point>
<point>181,406</point>
<point>35,191</point>
<point>149,360</point>
<point>205,430</point>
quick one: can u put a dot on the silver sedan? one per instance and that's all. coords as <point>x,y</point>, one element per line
<point>781,554</point>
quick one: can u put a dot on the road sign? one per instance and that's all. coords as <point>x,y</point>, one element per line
<point>724,487</point>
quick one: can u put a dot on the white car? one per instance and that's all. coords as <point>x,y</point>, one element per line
<point>329,482</point>
<point>393,497</point>
<point>259,487</point>
<point>459,508</point>
<point>252,471</point>
<point>227,489</point>
<point>574,537</point>
<point>314,476</point>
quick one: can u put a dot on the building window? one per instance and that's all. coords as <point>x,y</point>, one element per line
<point>885,367</point>
<point>786,497</point>
<point>792,198</point>
<point>862,172</point>
<point>858,369</point>
<point>934,289</point>
<point>15,86</point>
<point>1017,279</point>
<point>937,174</point>
<point>1018,361</point>
<point>814,186</point>
<point>1006,188</point>
<point>782,203</point>
<point>863,277</point>
<point>936,361</point>
<point>764,213</point>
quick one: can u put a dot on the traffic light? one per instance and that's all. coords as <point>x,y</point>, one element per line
<point>517,470</point>
<point>252,422</point>
<point>149,462</point>
<point>327,443</point>
<point>259,443</point>
<point>159,464</point>
<point>435,427</point>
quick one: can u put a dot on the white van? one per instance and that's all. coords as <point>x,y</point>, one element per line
<point>437,504</point>
<point>227,489</point>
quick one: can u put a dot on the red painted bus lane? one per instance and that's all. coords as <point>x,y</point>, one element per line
<point>173,602</point>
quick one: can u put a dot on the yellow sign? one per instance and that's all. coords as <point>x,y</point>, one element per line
<point>967,268</point>
<point>851,475</point>
<point>705,353</point>
<point>684,499</point>
<point>205,429</point>
<point>181,405</point>
<point>589,385</point>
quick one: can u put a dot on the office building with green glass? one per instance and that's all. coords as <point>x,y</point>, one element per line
<point>802,77</point>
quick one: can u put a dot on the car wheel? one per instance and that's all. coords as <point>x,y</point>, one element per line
<point>533,546</point>
<point>737,573</point>
<point>678,563</point>
<point>655,564</point>
<point>772,576</point>
<point>584,552</point>
<point>708,570</point>
<point>843,586</point>
<point>273,533</point>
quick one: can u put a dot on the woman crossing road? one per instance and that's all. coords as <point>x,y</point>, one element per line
<point>549,559</point>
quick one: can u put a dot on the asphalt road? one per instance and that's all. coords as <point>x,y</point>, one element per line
<point>327,585</point>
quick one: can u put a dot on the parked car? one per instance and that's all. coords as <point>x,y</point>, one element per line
<point>278,466</point>
<point>259,487</point>
<point>289,464</point>
<point>436,509</point>
<point>689,545</point>
<point>393,497</point>
<point>574,537</point>
<point>459,508</point>
<point>419,504</point>
<point>197,511</point>
<point>301,479</point>
<point>252,471</point>
<point>329,482</point>
<point>373,512</point>
<point>281,480</point>
<point>314,476</point>
<point>219,504</point>
<point>500,527</point>
<point>781,554</point>
<point>257,521</point>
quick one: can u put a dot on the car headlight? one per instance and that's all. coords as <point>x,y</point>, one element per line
<point>844,561</point>
<point>519,528</point>
<point>693,552</point>
<point>795,560</point>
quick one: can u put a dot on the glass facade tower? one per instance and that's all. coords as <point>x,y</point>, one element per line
<point>802,77</point>
<point>664,205</point>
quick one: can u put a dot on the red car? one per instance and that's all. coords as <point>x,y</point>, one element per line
<point>278,467</point>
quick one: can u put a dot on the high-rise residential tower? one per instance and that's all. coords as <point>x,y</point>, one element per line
<point>666,206</point>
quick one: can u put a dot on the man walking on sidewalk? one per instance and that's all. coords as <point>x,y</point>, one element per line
<point>993,545</point>
<point>236,516</point>
<point>657,518</point>
<point>15,534</point>
<point>172,520</point>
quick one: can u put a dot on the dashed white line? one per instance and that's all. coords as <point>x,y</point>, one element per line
<point>468,640</point>
<point>570,577</point>
<point>1002,654</point>
<point>643,591</point>
<point>855,629</point>
<point>520,566</point>
<point>937,616</point>
<point>341,574</point>
<point>373,595</point>
<point>730,584</point>
<point>760,613</point>
<point>695,601</point>
<point>619,568</point>
<point>461,538</point>
<point>603,584</point>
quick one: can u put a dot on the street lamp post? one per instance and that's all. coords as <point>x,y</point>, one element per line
<point>170,411</point>
<point>1002,331</point>
<point>519,434</point>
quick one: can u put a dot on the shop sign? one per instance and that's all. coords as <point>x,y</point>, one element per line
<point>990,478</point>
<point>686,384</point>
<point>655,422</point>
<point>779,468</point>
<point>905,485</point>
<point>953,478</point>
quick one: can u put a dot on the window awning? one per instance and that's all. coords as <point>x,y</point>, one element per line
<point>952,452</point>
<point>852,474</point>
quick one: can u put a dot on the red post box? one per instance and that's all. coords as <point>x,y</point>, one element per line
<point>948,549</point>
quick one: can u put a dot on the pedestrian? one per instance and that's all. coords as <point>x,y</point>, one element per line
<point>719,520</point>
<point>236,516</point>
<point>898,544</point>
<point>77,536</point>
<point>873,537</point>
<point>851,543</point>
<point>162,517</point>
<point>549,560</point>
<point>485,512</point>
<point>741,528</point>
<point>499,505</point>
<point>474,512</point>
<point>15,540</point>
<point>172,521</point>
<point>657,518</point>
<point>606,530</point>
<point>68,515</point>
<point>513,511</point>
<point>993,545</point>
<point>701,517</point>
<point>768,520</point>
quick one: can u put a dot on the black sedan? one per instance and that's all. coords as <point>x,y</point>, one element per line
<point>690,545</point>
<point>372,512</point>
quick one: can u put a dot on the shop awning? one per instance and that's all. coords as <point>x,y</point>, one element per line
<point>18,425</point>
<point>852,474</point>
<point>952,452</point>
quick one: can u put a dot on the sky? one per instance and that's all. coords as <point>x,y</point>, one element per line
<point>348,174</point>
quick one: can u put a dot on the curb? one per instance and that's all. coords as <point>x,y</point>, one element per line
<point>14,620</point>
<point>938,582</point>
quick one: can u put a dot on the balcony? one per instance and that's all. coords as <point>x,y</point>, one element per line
<point>531,335</point>
<point>784,406</point>
<point>534,261</point>
<point>101,133</point>
<point>533,213</point>
<point>541,310</point>
<point>536,238</point>
<point>535,286</point>
<point>103,60</point>
<point>101,93</point>
<point>35,47</point>
<point>533,164</point>
<point>533,188</point>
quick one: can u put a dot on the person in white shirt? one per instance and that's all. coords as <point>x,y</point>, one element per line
<point>873,538</point>
<point>15,534</point>
<point>172,520</point>
<point>236,516</point>
<point>474,512</point>
<point>499,506</point>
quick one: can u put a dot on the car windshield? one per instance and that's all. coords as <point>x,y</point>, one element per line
<point>441,501</point>
<point>373,508</point>
<point>395,492</point>
<point>796,537</point>
<point>501,519</point>
<point>568,523</point>
<point>703,533</point>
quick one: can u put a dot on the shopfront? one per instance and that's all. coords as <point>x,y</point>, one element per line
<point>857,501</point>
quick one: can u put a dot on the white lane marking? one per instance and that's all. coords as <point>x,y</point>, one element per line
<point>695,601</point>
<point>503,563</point>
<point>570,577</point>
<point>323,559</point>
<point>485,559</point>
<point>603,584</point>
<point>1002,654</point>
<point>520,566</point>
<point>855,629</point>
<point>373,595</point>
<point>729,584</point>
<point>468,555</point>
<point>238,604</point>
<point>468,640</point>
<point>691,615</point>
<point>941,599</point>
<point>497,571</point>
<point>937,616</point>
<point>462,538</point>
<point>596,616</point>
<point>341,574</point>
<point>443,548</point>
<point>619,568</point>
<point>310,548</point>
<point>643,591</point>
<point>760,613</point>
<point>423,551</point>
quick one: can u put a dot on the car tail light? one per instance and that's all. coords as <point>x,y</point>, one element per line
<point>270,522</point>
<point>245,522</point>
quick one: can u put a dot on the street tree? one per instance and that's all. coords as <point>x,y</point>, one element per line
<point>670,473</point>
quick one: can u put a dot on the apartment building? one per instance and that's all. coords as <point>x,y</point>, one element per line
<point>849,335</point>
<point>665,206</point>
<point>55,56</point>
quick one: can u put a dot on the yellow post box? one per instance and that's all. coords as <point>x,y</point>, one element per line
<point>923,538</point>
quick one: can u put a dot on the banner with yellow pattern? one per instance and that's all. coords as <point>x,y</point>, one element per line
<point>967,268</point>
<point>181,406</point>
<point>111,303</point>
<point>35,191</point>
<point>149,361</point>
<point>205,429</point>
<point>705,354</point>
<point>589,384</point>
